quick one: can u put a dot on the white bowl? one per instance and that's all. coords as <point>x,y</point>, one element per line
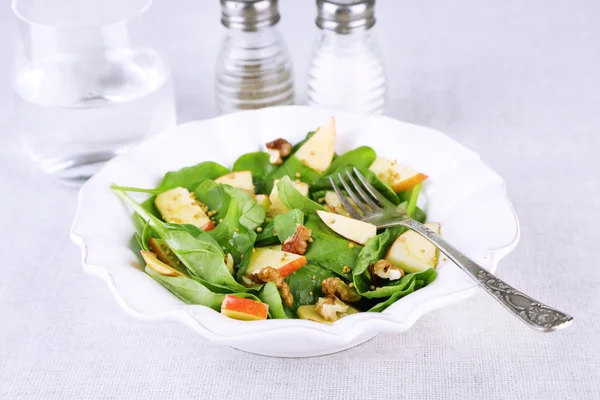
<point>462,193</point>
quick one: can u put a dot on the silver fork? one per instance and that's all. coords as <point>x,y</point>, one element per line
<point>377,210</point>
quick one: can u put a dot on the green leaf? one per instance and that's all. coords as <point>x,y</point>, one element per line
<point>188,290</point>
<point>373,251</point>
<point>196,249</point>
<point>294,169</point>
<point>190,177</point>
<point>261,168</point>
<point>252,215</point>
<point>382,187</point>
<point>293,199</point>
<point>270,295</point>
<point>268,235</point>
<point>361,157</point>
<point>412,202</point>
<point>304,288</point>
<point>214,196</point>
<point>146,234</point>
<point>407,285</point>
<point>330,250</point>
<point>232,236</point>
<point>285,225</point>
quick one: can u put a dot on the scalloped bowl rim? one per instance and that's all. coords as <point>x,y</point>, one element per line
<point>352,327</point>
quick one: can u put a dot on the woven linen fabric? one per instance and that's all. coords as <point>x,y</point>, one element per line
<point>519,82</point>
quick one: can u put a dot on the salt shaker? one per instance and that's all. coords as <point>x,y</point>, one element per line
<point>346,71</point>
<point>254,69</point>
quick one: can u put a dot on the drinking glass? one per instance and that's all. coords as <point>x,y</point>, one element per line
<point>87,83</point>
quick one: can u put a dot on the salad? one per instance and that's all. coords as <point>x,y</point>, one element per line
<point>269,238</point>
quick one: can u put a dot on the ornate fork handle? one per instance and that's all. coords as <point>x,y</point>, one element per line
<point>537,315</point>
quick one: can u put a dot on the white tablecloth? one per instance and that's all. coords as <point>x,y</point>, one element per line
<point>518,81</point>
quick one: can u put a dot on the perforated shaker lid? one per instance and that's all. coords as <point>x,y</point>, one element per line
<point>249,15</point>
<point>345,16</point>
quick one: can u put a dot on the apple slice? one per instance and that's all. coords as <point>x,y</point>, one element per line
<point>277,207</point>
<point>178,206</point>
<point>264,201</point>
<point>285,262</point>
<point>158,265</point>
<point>164,253</point>
<point>352,229</point>
<point>244,309</point>
<point>399,177</point>
<point>333,201</point>
<point>276,247</point>
<point>317,152</point>
<point>412,252</point>
<point>239,179</point>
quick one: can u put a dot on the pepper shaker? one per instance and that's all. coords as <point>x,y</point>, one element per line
<point>346,70</point>
<point>254,69</point>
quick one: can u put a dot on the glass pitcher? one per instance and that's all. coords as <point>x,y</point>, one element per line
<point>87,84</point>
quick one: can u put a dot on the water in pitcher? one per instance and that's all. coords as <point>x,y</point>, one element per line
<point>76,111</point>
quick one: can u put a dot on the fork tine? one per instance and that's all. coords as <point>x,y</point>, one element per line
<point>351,210</point>
<point>374,192</point>
<point>353,195</point>
<point>366,198</point>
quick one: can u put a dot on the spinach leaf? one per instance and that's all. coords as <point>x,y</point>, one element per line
<point>188,290</point>
<point>330,250</point>
<point>293,199</point>
<point>382,187</point>
<point>412,201</point>
<point>304,288</point>
<point>139,241</point>
<point>407,289</point>
<point>294,169</point>
<point>214,196</point>
<point>261,168</point>
<point>190,177</point>
<point>270,295</point>
<point>285,225</point>
<point>411,283</point>
<point>232,235</point>
<point>373,251</point>
<point>252,215</point>
<point>196,249</point>
<point>267,236</point>
<point>146,234</point>
<point>418,214</point>
<point>361,157</point>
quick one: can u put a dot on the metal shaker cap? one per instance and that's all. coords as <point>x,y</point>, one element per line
<point>345,16</point>
<point>249,15</point>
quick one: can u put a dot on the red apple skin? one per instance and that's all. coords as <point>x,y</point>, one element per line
<point>409,183</point>
<point>243,308</point>
<point>289,268</point>
<point>209,226</point>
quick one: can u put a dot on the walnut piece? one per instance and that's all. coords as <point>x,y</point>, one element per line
<point>283,146</point>
<point>385,269</point>
<point>297,243</point>
<point>270,274</point>
<point>330,308</point>
<point>275,157</point>
<point>336,287</point>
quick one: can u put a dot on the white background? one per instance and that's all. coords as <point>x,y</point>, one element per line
<point>516,80</point>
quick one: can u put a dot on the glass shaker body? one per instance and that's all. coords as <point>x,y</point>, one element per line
<point>253,71</point>
<point>347,72</point>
